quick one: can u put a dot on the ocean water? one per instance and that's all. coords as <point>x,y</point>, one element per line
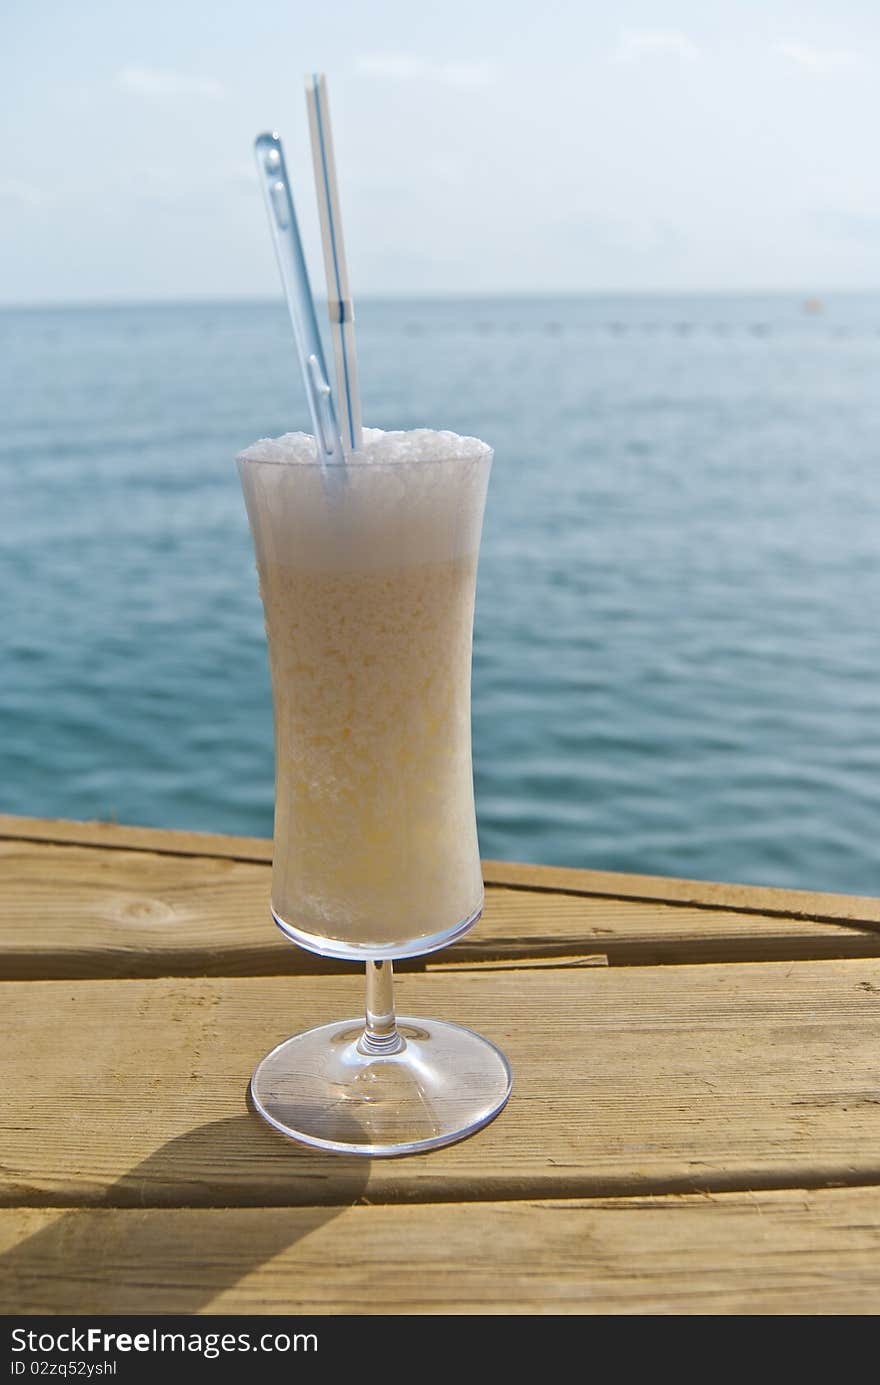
<point>677,646</point>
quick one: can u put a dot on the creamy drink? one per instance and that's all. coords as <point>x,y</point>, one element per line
<point>367,574</point>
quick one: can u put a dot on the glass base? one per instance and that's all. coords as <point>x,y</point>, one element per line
<point>323,1089</point>
<point>369,951</point>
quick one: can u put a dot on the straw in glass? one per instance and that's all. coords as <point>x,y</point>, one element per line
<point>298,292</point>
<point>339,302</point>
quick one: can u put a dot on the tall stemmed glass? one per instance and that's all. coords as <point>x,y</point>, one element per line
<point>367,575</point>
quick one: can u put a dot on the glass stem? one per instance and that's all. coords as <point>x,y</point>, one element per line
<point>380,1034</point>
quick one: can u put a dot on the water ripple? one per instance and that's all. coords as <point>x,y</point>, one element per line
<point>676,661</point>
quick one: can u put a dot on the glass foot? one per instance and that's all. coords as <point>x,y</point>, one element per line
<point>325,1088</point>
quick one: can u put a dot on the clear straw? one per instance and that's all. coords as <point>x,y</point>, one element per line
<point>339,302</point>
<point>298,292</point>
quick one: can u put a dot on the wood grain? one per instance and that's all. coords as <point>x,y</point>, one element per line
<point>806,904</point>
<point>795,1252</point>
<point>627,1080</point>
<point>75,911</point>
<point>133,1179</point>
<point>121,836</point>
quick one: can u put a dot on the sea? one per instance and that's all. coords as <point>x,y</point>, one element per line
<point>677,639</point>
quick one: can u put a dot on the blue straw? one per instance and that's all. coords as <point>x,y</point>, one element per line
<point>298,292</point>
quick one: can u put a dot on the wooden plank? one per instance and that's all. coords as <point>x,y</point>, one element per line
<point>807,904</point>
<point>704,894</point>
<point>521,924</point>
<point>627,1080</point>
<point>74,911</point>
<point>119,836</point>
<point>796,1252</point>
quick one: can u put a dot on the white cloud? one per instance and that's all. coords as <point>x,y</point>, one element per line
<point>466,74</point>
<point>636,44</point>
<point>819,60</point>
<point>152,81</point>
<point>863,226</point>
<point>15,192</point>
<point>400,66</point>
<point>407,67</point>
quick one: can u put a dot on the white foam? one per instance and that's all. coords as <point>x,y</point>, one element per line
<point>411,497</point>
<point>416,445</point>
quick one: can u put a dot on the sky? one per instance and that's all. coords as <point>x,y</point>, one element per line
<point>483,146</point>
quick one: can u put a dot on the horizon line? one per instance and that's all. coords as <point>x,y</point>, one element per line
<point>520,295</point>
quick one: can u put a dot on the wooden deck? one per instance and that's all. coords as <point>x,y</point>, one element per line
<point>695,1124</point>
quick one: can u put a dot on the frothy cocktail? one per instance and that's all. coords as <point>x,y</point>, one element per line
<point>367,575</point>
